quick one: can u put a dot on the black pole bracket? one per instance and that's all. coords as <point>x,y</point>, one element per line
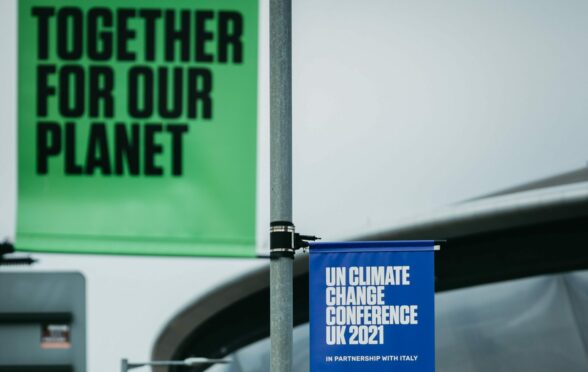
<point>7,248</point>
<point>282,239</point>
<point>302,241</point>
<point>285,241</point>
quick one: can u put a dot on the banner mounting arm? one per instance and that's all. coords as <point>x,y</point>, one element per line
<point>285,241</point>
<point>7,247</point>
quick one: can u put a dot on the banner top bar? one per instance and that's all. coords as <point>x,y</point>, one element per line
<point>376,246</point>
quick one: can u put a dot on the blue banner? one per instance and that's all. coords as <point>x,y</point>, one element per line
<point>372,306</point>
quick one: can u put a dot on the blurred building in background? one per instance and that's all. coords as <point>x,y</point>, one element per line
<point>512,289</point>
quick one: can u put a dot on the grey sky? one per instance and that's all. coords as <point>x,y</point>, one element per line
<point>404,106</point>
<point>400,107</point>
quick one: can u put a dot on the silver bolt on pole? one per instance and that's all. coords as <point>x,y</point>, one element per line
<point>281,322</point>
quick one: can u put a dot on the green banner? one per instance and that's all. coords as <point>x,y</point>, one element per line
<point>137,125</point>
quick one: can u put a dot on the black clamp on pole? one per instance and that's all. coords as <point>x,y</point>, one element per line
<point>284,240</point>
<point>7,248</point>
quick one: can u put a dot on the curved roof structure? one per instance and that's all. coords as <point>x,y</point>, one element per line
<point>528,230</point>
